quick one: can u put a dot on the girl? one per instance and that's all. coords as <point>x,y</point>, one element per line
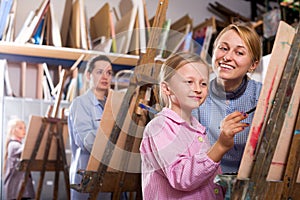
<point>237,51</point>
<point>177,160</point>
<point>13,178</point>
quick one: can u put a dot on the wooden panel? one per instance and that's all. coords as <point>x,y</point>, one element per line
<point>35,123</point>
<point>65,25</point>
<point>100,23</point>
<point>291,177</point>
<point>124,28</point>
<point>110,112</point>
<point>281,49</point>
<point>278,164</point>
<point>275,121</point>
<point>75,25</point>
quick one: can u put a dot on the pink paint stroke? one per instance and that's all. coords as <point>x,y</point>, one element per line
<point>257,129</point>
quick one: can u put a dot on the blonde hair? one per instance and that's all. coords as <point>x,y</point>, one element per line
<point>250,38</point>
<point>172,64</point>
<point>11,126</point>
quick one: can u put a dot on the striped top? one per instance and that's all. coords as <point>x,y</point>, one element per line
<point>175,164</point>
<point>214,110</point>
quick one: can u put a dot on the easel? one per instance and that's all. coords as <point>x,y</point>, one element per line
<point>52,127</point>
<point>257,187</point>
<point>144,76</point>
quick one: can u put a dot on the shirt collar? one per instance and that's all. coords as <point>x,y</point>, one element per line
<point>93,98</point>
<point>218,90</point>
<point>177,119</point>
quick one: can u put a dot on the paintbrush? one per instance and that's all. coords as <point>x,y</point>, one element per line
<point>251,110</point>
<point>247,112</point>
<point>150,109</point>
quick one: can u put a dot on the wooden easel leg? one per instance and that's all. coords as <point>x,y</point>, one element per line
<point>45,159</point>
<point>32,157</point>
<point>118,187</point>
<point>131,195</point>
<point>61,152</point>
<point>56,179</point>
<point>56,182</point>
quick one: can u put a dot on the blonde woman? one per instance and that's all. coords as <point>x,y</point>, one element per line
<point>237,52</point>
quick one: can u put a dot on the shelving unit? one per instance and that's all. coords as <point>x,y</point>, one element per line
<point>59,55</point>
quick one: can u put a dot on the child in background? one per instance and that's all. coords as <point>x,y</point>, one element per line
<point>177,159</point>
<point>13,178</point>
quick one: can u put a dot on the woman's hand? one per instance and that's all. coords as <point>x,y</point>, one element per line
<point>229,126</point>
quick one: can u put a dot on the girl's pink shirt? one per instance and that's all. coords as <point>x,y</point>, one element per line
<point>175,164</point>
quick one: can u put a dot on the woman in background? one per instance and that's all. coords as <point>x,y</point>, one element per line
<point>84,119</point>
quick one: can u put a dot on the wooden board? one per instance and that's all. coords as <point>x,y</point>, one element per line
<point>55,30</point>
<point>134,47</point>
<point>83,26</point>
<point>124,28</point>
<point>111,109</point>
<point>75,25</point>
<point>65,25</point>
<point>280,52</point>
<point>180,24</point>
<point>100,23</point>
<point>291,188</point>
<point>177,35</point>
<point>30,30</point>
<point>275,121</point>
<point>35,122</point>
<point>125,6</point>
<point>279,161</point>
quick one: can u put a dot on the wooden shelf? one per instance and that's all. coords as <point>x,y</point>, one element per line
<point>58,55</point>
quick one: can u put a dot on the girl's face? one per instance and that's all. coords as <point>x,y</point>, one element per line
<point>188,88</point>
<point>19,131</point>
<point>101,76</point>
<point>231,59</point>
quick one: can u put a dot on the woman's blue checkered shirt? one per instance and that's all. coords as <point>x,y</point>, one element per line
<point>214,110</point>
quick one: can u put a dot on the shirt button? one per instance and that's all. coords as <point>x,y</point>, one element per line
<point>216,191</point>
<point>200,139</point>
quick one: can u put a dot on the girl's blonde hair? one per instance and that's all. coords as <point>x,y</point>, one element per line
<point>172,64</point>
<point>11,126</point>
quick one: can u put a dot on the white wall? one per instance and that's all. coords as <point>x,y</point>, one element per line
<point>197,9</point>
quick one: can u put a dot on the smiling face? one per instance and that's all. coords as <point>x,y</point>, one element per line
<point>232,59</point>
<point>188,87</point>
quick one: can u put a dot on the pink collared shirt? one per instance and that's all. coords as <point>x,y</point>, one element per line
<point>175,164</point>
